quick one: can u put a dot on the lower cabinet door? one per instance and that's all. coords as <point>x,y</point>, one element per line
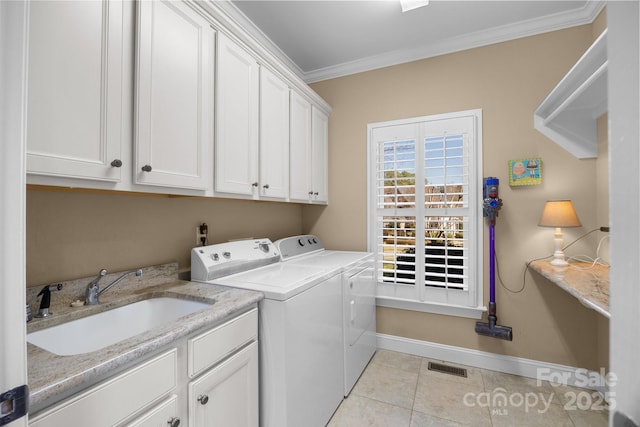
<point>227,395</point>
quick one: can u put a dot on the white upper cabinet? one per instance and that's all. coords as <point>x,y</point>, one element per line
<point>300,149</point>
<point>167,96</point>
<point>308,148</point>
<point>74,123</point>
<point>319,155</point>
<point>174,96</point>
<point>236,153</point>
<point>274,136</point>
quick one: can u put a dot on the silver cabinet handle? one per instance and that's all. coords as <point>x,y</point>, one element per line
<point>147,168</point>
<point>203,399</point>
<point>174,422</point>
<point>116,163</point>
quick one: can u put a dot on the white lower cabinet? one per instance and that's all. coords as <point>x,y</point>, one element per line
<point>113,401</point>
<point>163,415</point>
<point>227,395</point>
<point>208,379</point>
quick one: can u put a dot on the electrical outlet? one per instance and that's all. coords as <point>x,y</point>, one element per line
<point>198,236</point>
<point>201,234</point>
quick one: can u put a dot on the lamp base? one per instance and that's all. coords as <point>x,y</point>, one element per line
<point>559,261</point>
<point>558,254</point>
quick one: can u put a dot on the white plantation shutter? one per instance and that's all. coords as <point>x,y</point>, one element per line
<point>425,186</point>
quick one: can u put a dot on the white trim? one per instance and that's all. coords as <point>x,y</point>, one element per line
<point>517,30</point>
<point>623,50</point>
<point>530,27</point>
<point>582,96</point>
<point>492,361</point>
<point>13,66</point>
<point>431,307</point>
<point>229,19</point>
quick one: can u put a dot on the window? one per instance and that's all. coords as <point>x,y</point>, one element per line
<point>425,213</point>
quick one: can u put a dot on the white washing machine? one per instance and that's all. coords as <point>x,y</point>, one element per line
<point>300,328</point>
<point>358,299</point>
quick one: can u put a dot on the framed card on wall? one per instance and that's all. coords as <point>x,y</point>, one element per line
<point>525,171</point>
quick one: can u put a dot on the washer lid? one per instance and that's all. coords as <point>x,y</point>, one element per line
<point>278,281</point>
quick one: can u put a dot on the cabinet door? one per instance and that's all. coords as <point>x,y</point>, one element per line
<point>319,155</point>
<point>274,136</point>
<point>75,89</point>
<point>236,156</point>
<point>300,149</point>
<point>228,394</point>
<point>174,96</point>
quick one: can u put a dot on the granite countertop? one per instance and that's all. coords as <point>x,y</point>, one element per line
<point>52,377</point>
<point>589,284</point>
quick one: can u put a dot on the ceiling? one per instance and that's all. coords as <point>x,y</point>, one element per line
<point>330,38</point>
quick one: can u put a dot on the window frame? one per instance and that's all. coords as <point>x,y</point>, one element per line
<point>473,308</point>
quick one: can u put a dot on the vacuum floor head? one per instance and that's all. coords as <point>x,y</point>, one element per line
<point>494,331</point>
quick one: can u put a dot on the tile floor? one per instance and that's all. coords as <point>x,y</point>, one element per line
<point>398,390</point>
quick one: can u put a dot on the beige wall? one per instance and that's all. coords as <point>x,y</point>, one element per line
<point>508,81</point>
<point>73,234</point>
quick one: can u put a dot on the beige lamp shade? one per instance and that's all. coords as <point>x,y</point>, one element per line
<point>559,213</point>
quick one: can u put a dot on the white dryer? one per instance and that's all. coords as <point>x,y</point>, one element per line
<point>358,296</point>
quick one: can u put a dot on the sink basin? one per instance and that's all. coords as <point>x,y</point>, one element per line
<point>100,330</point>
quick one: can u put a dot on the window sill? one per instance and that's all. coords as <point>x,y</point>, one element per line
<point>430,307</point>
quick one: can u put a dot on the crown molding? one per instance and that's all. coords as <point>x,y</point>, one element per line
<point>256,33</point>
<point>531,27</point>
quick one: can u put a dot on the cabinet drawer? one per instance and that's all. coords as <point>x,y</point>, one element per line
<point>158,416</point>
<point>116,399</point>
<point>209,348</point>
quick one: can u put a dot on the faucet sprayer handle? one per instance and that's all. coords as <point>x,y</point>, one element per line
<point>91,293</point>
<point>45,302</point>
<point>95,281</point>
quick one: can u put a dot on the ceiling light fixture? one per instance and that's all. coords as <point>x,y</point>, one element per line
<point>408,5</point>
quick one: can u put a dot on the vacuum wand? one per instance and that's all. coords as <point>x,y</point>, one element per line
<point>490,206</point>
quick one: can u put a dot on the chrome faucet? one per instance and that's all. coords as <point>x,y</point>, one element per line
<point>93,292</point>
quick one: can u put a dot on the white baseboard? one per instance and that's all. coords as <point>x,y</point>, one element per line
<point>569,375</point>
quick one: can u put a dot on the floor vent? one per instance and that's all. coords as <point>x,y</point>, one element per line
<point>446,369</point>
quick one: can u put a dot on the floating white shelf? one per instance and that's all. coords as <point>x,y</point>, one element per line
<point>568,114</point>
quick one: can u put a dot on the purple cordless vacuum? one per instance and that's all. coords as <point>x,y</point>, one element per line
<point>490,206</point>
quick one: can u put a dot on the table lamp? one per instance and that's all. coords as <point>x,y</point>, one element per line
<point>558,214</point>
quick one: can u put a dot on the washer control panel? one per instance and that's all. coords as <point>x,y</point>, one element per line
<point>223,259</point>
